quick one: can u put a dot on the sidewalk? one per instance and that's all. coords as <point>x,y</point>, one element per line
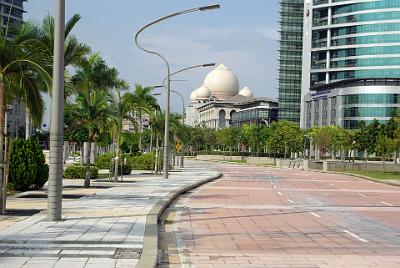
<point>102,229</point>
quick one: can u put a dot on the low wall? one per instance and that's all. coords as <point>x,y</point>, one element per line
<point>358,166</point>
<point>317,165</point>
<point>220,157</point>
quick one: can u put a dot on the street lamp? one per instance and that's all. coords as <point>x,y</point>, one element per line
<point>54,201</point>
<point>183,99</point>
<point>168,97</point>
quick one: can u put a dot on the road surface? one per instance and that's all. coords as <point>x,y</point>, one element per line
<point>266,217</point>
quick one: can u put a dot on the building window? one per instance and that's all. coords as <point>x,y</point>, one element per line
<point>325,112</point>
<point>316,112</point>
<point>221,119</point>
<point>333,111</point>
<point>309,114</point>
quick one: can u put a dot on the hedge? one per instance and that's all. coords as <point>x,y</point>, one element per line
<point>28,168</point>
<point>79,172</point>
<point>126,169</point>
<point>144,162</point>
<point>103,161</point>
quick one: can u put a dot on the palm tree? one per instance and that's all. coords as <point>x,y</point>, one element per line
<point>44,41</point>
<point>158,126</point>
<point>141,101</point>
<point>121,110</point>
<point>94,112</point>
<point>21,67</point>
<point>92,80</point>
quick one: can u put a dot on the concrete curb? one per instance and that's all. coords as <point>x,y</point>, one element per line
<point>149,257</point>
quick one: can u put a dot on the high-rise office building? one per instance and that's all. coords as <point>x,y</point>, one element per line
<point>351,62</point>
<point>11,12</point>
<point>290,59</point>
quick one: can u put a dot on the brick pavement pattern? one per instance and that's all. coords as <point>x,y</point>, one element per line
<point>265,217</point>
<point>104,229</point>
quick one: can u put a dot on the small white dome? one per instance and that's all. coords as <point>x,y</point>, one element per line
<point>222,83</point>
<point>193,96</point>
<point>246,92</point>
<point>203,93</point>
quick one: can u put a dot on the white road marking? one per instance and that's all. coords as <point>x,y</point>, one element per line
<point>315,214</point>
<point>291,201</point>
<point>388,204</point>
<point>275,187</point>
<point>363,195</point>
<point>279,193</point>
<point>355,236</point>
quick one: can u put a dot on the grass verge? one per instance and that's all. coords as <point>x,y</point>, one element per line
<point>378,175</point>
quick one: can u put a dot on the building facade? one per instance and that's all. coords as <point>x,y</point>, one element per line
<point>290,59</point>
<point>351,62</point>
<point>11,12</point>
<point>219,103</point>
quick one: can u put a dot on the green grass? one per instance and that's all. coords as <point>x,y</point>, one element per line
<point>379,175</point>
<point>237,161</point>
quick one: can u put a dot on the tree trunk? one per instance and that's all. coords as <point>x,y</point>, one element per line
<point>156,159</point>
<point>28,124</point>
<point>140,132</point>
<point>2,190</point>
<point>87,178</point>
<point>366,159</point>
<point>16,122</point>
<point>383,162</point>
<point>116,162</point>
<point>82,153</point>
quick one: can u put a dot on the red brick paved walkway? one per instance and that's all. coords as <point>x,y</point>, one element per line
<point>260,217</point>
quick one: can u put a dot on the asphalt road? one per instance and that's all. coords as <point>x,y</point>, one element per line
<point>265,217</point>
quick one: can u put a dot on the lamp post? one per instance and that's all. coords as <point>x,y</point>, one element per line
<point>168,97</point>
<point>183,99</point>
<point>54,200</point>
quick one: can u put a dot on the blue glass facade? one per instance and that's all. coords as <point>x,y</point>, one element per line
<point>356,30</point>
<point>356,48</point>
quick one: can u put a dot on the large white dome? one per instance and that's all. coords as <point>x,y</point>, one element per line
<point>203,93</point>
<point>193,96</point>
<point>222,83</point>
<point>246,92</point>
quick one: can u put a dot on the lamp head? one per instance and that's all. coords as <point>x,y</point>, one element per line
<point>208,65</point>
<point>207,8</point>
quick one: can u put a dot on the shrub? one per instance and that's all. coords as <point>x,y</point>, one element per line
<point>126,169</point>
<point>144,162</point>
<point>79,172</point>
<point>103,161</point>
<point>28,169</point>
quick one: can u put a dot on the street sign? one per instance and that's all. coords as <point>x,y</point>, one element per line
<point>178,145</point>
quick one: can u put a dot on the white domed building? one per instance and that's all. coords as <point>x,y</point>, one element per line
<point>218,103</point>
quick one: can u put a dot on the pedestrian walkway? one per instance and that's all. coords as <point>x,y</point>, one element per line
<point>104,229</point>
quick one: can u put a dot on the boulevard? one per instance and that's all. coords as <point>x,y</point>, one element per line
<point>268,217</point>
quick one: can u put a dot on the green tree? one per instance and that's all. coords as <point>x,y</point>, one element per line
<point>141,101</point>
<point>384,147</point>
<point>21,69</point>
<point>93,81</point>
<point>285,137</point>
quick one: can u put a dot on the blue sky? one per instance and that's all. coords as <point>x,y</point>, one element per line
<point>242,34</point>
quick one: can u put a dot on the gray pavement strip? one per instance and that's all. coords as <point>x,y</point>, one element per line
<point>149,257</point>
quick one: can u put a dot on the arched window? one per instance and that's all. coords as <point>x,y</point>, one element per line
<point>221,119</point>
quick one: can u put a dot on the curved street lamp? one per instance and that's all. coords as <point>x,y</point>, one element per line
<point>183,99</point>
<point>168,99</point>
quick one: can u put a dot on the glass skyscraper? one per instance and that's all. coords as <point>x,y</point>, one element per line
<point>290,59</point>
<point>11,12</point>
<point>351,62</point>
